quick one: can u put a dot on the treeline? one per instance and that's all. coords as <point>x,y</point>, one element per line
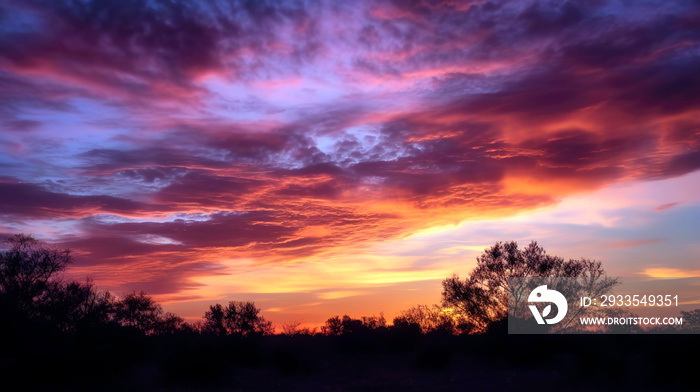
<point>32,294</point>
<point>62,335</point>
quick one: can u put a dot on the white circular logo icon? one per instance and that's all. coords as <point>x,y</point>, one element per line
<point>542,294</point>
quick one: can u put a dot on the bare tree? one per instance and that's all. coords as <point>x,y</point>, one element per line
<point>483,297</point>
<point>27,269</point>
<point>430,318</point>
<point>291,328</point>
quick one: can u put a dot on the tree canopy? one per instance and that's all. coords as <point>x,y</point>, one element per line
<point>27,270</point>
<point>237,318</point>
<point>483,297</point>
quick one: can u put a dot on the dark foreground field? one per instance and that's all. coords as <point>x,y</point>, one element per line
<point>383,360</point>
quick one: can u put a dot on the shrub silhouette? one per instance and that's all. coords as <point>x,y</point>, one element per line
<point>237,318</point>
<point>347,325</point>
<point>429,318</point>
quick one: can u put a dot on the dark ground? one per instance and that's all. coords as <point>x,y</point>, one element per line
<point>378,360</point>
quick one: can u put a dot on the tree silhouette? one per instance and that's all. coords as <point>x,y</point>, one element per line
<point>346,325</point>
<point>374,322</point>
<point>291,328</point>
<point>76,306</point>
<point>691,320</point>
<point>333,326</point>
<point>429,318</point>
<point>139,311</point>
<point>351,325</point>
<point>27,270</point>
<point>237,318</point>
<point>484,296</point>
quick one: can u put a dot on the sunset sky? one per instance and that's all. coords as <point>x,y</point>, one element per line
<point>331,157</point>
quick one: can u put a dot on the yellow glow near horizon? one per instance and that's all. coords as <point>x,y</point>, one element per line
<point>356,277</point>
<point>671,273</point>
